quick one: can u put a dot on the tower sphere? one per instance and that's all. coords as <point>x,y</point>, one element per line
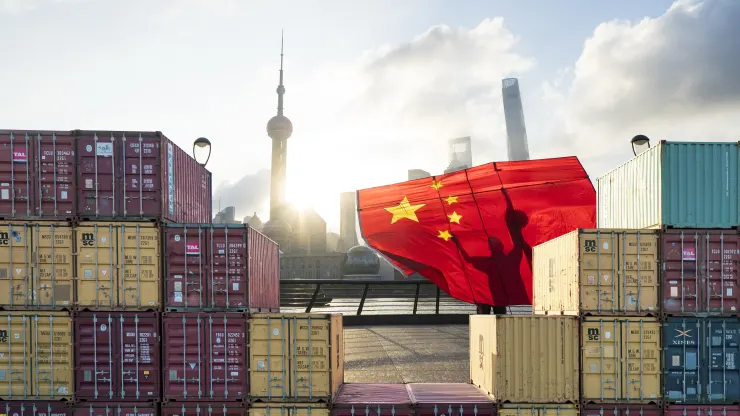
<point>279,127</point>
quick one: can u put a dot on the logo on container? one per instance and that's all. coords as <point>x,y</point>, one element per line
<point>192,249</point>
<point>20,156</point>
<point>689,254</point>
<point>88,239</point>
<point>5,237</point>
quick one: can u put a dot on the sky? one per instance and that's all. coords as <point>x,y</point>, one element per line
<point>373,87</point>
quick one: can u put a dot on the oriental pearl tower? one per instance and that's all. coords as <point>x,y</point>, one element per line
<point>279,128</point>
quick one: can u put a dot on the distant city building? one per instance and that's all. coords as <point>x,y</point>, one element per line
<point>516,132</point>
<point>311,266</point>
<point>226,216</point>
<point>418,174</point>
<point>254,222</point>
<point>332,241</point>
<point>347,221</point>
<point>460,153</point>
<point>309,233</point>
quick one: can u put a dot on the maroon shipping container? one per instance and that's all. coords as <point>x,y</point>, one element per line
<point>432,399</point>
<point>32,408</point>
<point>205,356</point>
<point>701,410</point>
<point>115,409</point>
<point>139,175</point>
<point>619,409</point>
<point>263,269</point>
<point>204,409</point>
<point>372,399</point>
<point>117,356</point>
<point>700,272</point>
<point>37,175</point>
<point>206,267</point>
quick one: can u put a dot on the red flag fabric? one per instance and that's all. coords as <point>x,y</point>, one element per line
<point>471,232</point>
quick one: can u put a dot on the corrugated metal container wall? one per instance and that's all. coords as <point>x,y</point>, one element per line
<point>37,175</point>
<point>205,409</point>
<point>34,408</point>
<point>36,356</point>
<point>139,175</point>
<point>701,272</point>
<point>689,410</point>
<point>263,271</point>
<point>372,399</point>
<point>205,356</point>
<point>118,266</point>
<point>228,259</point>
<point>117,356</point>
<point>502,368</point>
<point>674,184</point>
<point>700,360</point>
<point>36,265</point>
<point>288,409</point>
<point>430,399</point>
<point>185,266</point>
<point>620,360</point>
<point>115,409</point>
<point>621,409</point>
<point>524,409</point>
<point>295,356</point>
<point>589,272</point>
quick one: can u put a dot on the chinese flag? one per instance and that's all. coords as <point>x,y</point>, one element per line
<point>471,232</point>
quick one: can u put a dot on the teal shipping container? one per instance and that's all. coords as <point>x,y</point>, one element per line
<point>673,185</point>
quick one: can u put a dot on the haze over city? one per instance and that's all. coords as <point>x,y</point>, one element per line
<point>373,88</point>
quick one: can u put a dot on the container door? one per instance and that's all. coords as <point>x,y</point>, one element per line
<point>53,361</point>
<point>723,351</point>
<point>638,256</point>
<point>268,352</point>
<point>598,272</point>
<point>138,338</point>
<point>139,262</point>
<point>682,340</point>
<point>228,253</point>
<point>96,176</point>
<point>185,265</point>
<point>640,343</point>
<point>16,177</point>
<point>721,266</point>
<point>600,360</point>
<point>15,356</point>
<point>185,346</point>
<point>680,277</point>
<point>95,356</point>
<point>96,264</point>
<point>227,356</point>
<point>141,172</point>
<point>15,266</point>
<point>53,251</point>
<point>55,176</point>
<point>310,358</point>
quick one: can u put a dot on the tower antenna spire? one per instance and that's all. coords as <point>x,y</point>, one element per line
<point>281,87</point>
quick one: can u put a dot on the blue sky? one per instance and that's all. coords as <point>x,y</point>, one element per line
<point>373,87</point>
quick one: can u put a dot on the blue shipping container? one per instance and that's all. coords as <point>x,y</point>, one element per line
<point>674,184</point>
<point>700,360</point>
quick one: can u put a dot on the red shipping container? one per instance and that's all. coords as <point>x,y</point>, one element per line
<point>204,409</point>
<point>701,410</point>
<point>115,409</point>
<point>139,175</point>
<point>117,356</point>
<point>700,272</point>
<point>263,271</point>
<point>206,267</point>
<point>205,356</point>
<point>37,175</point>
<point>433,399</point>
<point>620,409</point>
<point>32,408</point>
<point>372,399</point>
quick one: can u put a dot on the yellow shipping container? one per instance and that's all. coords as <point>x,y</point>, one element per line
<point>36,265</point>
<point>621,360</point>
<point>597,272</point>
<point>524,409</point>
<point>295,356</point>
<point>36,356</point>
<point>118,266</point>
<point>289,409</point>
<point>525,359</point>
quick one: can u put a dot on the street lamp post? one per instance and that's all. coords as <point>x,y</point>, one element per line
<point>640,143</point>
<point>202,150</point>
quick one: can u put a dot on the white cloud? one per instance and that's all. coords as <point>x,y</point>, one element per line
<point>673,77</point>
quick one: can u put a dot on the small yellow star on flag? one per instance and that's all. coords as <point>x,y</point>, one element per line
<point>451,200</point>
<point>436,184</point>
<point>404,210</point>
<point>445,235</point>
<point>455,217</point>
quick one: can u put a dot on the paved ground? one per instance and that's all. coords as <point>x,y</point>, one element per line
<point>398,354</point>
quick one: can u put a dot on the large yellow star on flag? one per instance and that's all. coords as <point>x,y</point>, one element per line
<point>455,217</point>
<point>404,210</point>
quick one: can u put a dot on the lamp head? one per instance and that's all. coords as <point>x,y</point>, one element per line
<point>640,143</point>
<point>202,150</point>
